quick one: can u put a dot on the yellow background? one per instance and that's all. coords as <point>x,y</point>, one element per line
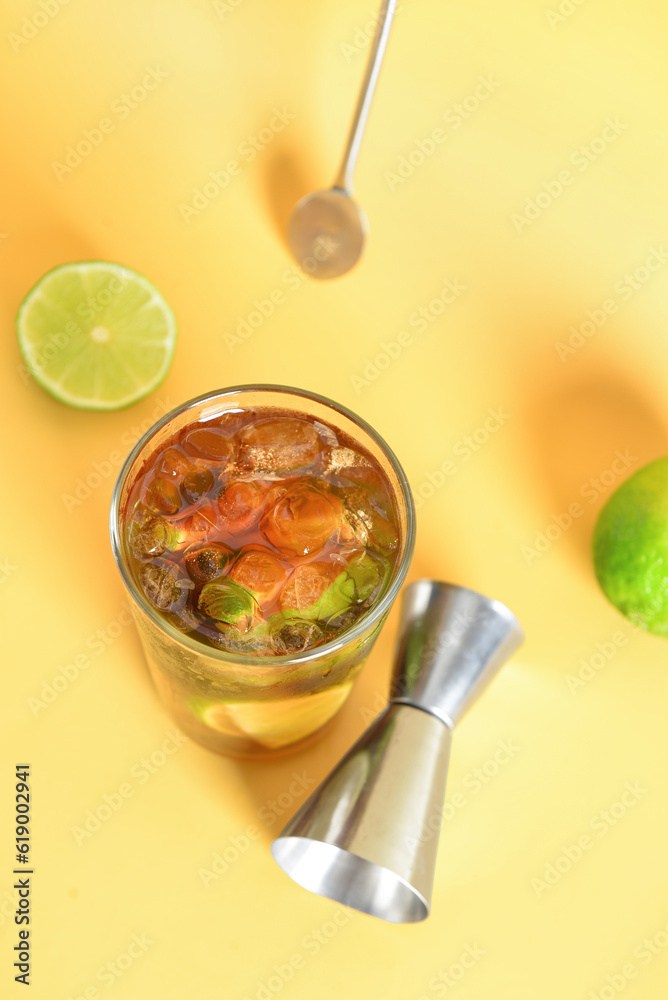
<point>557,82</point>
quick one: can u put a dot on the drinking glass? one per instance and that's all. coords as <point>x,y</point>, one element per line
<point>249,705</point>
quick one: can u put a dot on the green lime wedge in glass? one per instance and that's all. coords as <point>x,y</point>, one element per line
<point>630,548</point>
<point>95,335</point>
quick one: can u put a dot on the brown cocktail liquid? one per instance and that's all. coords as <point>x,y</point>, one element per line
<point>261,532</point>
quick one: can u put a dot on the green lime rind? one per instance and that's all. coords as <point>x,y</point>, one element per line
<point>54,327</point>
<point>227,602</point>
<point>198,706</point>
<point>630,548</point>
<point>233,607</point>
<point>154,537</point>
<point>353,586</point>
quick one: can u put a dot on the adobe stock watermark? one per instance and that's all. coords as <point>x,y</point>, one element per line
<point>460,455</point>
<point>363,35</point>
<point>246,152</point>
<point>55,343</point>
<point>562,12</point>
<point>68,673</point>
<point>458,625</point>
<point>291,280</point>
<point>581,159</point>
<point>600,824</point>
<point>32,24</point>
<point>590,666</point>
<point>7,906</point>
<point>471,785</point>
<point>419,321</point>
<point>453,118</point>
<point>311,944</point>
<point>140,773</point>
<point>111,971</point>
<point>225,7</point>
<point>120,109</point>
<point>106,468</point>
<point>591,491</point>
<point>87,310</point>
<point>237,845</point>
<point>7,570</point>
<point>645,952</point>
<point>446,980</point>
<point>624,288</point>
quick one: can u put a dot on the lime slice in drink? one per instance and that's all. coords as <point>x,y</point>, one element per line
<point>96,335</point>
<point>276,724</point>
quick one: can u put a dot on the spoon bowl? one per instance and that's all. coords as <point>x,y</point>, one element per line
<point>326,233</point>
<point>327,229</point>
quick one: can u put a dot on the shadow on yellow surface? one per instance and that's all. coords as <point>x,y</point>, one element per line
<point>590,417</point>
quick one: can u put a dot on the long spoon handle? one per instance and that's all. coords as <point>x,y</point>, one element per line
<point>344,178</point>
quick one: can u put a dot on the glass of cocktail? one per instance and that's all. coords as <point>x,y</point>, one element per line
<point>263,533</point>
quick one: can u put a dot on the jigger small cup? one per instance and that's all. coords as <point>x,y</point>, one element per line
<point>367,836</point>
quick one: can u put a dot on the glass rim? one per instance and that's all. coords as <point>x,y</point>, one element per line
<point>373,615</point>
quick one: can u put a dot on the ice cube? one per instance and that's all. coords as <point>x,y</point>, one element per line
<point>317,592</point>
<point>279,489</point>
<point>211,443</point>
<point>200,526</point>
<point>260,572</point>
<point>383,533</point>
<point>173,463</point>
<point>306,586</point>
<point>228,604</point>
<point>278,445</point>
<point>240,505</point>
<point>367,523</point>
<point>326,433</point>
<point>302,521</point>
<point>348,466</point>
<point>164,585</point>
<point>338,460</point>
<point>184,619</point>
<point>367,575</point>
<point>338,623</point>
<point>196,483</point>
<point>207,561</point>
<point>292,635</point>
<point>141,513</point>
<point>163,496</point>
<point>150,535</point>
<point>149,538</point>
<point>175,619</point>
<point>354,531</point>
<point>366,476</point>
<point>255,642</point>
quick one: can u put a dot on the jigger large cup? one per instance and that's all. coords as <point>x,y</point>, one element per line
<point>367,836</point>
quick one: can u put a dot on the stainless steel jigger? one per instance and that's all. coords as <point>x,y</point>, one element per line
<point>367,836</point>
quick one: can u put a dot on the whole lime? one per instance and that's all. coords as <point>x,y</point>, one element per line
<point>630,547</point>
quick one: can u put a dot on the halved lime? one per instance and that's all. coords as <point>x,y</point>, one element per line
<point>96,335</point>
